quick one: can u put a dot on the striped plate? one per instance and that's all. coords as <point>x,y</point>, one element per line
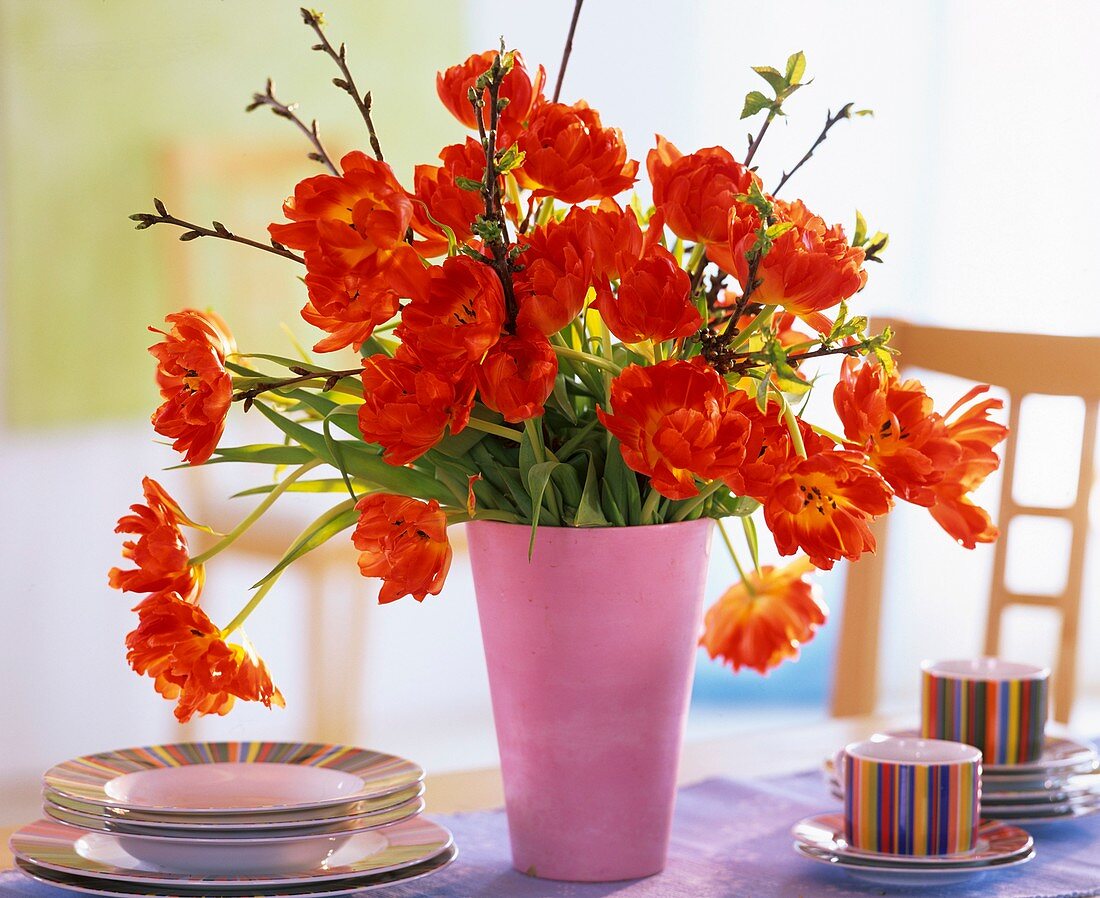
<point>230,778</point>
<point>315,890</point>
<point>65,849</point>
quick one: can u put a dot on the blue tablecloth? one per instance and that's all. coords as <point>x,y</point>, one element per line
<point>730,840</point>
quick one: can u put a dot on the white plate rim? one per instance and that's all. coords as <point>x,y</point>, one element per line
<point>347,886</point>
<point>85,777</point>
<point>834,822</point>
<point>838,862</point>
<point>275,820</point>
<point>349,826</point>
<point>62,839</point>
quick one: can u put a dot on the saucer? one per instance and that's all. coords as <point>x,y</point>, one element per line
<point>996,842</point>
<point>347,886</point>
<point>223,778</point>
<point>100,856</point>
<point>881,874</point>
<point>1060,753</point>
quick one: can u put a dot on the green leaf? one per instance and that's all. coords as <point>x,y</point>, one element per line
<point>568,482</point>
<point>459,445</point>
<point>263,454</point>
<point>623,483</point>
<point>559,397</point>
<point>320,531</point>
<point>796,67</point>
<point>864,112</point>
<point>538,479</point>
<point>754,103</point>
<point>589,511</point>
<point>775,78</point>
<point>778,229</point>
<point>468,184</point>
<point>610,508</point>
<point>859,237</point>
<point>302,486</point>
<point>731,506</point>
<point>762,391</point>
<point>749,526</point>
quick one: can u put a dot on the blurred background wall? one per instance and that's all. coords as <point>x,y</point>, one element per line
<point>979,162</point>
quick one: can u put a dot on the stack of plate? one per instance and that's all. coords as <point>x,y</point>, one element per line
<point>221,817</point>
<point>1063,783</point>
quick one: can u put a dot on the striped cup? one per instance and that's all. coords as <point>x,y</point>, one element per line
<point>997,706</point>
<point>910,796</point>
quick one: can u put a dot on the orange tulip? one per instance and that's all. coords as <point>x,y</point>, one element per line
<point>893,422</point>
<point>407,408</point>
<point>821,505</point>
<point>554,280</point>
<point>976,435</point>
<point>571,156</point>
<point>404,542</point>
<point>518,375</point>
<point>160,551</point>
<point>674,422</point>
<point>346,306</point>
<point>196,388</point>
<point>768,447</point>
<point>453,87</point>
<point>762,623</point>
<point>653,301</point>
<point>177,645</point>
<point>360,214</point>
<point>458,319</point>
<point>613,235</point>
<point>809,268</point>
<point>438,197</point>
<point>695,193</point>
<point>352,230</point>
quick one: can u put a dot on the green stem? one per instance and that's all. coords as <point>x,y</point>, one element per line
<point>791,420</point>
<point>697,252</point>
<point>234,534</point>
<point>649,509</point>
<point>242,615</point>
<point>736,563</point>
<point>496,429</point>
<point>751,328</point>
<point>691,504</point>
<point>594,360</point>
<point>533,426</point>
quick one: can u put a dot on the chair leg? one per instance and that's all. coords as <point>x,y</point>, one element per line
<point>855,682</point>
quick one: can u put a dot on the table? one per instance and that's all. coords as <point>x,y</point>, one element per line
<point>731,835</point>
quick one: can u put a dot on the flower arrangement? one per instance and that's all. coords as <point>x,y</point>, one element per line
<point>534,350</point>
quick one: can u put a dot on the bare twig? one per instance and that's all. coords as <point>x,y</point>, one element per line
<point>754,145</point>
<point>287,111</point>
<point>568,49</point>
<point>147,220</point>
<point>330,379</point>
<point>347,83</point>
<point>494,225</point>
<point>830,120</point>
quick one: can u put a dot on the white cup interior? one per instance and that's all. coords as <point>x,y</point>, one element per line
<point>985,669</point>
<point>906,750</point>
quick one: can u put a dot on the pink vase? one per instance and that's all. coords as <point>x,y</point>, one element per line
<point>590,647</point>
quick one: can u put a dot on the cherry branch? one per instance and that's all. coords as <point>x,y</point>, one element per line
<point>331,379</point>
<point>567,52</point>
<point>830,120</point>
<point>147,220</point>
<point>347,83</point>
<point>286,110</point>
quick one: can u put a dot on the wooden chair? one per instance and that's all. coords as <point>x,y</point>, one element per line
<point>1069,368</point>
